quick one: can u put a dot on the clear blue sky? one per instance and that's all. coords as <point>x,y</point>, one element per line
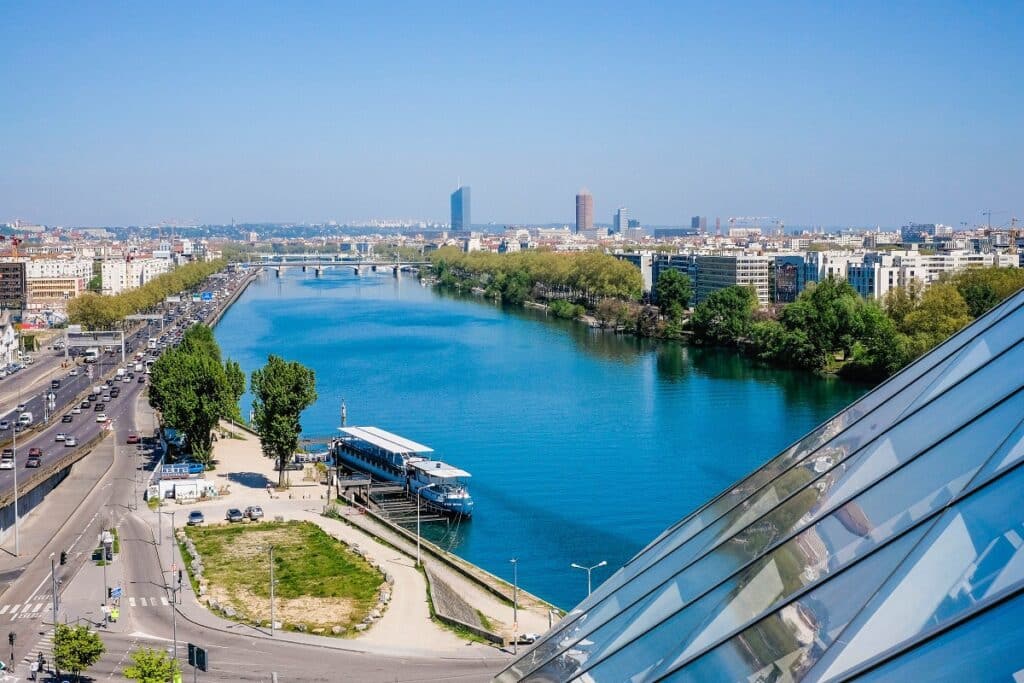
<point>819,113</point>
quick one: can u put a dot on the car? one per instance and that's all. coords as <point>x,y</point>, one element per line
<point>77,410</point>
<point>528,638</point>
<point>67,418</point>
<point>134,438</point>
<point>234,515</point>
<point>99,407</point>
<point>141,379</point>
<point>109,382</point>
<point>7,463</point>
<point>33,461</point>
<point>20,408</point>
<point>195,518</point>
<point>92,396</point>
<point>55,384</point>
<point>35,450</point>
<point>73,373</point>
<point>71,441</point>
<point>254,512</point>
<point>115,392</point>
<point>101,417</point>
<point>5,424</point>
<point>61,436</point>
<point>127,379</point>
<point>105,398</point>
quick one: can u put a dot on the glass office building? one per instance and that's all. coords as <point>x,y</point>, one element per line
<point>461,220</point>
<point>886,544</point>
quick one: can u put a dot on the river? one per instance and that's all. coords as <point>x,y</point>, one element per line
<point>583,445</point>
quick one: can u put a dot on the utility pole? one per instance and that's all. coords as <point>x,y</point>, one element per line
<point>53,585</point>
<point>17,533</point>
<point>515,605</point>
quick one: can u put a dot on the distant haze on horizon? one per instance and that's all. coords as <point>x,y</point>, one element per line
<point>862,114</point>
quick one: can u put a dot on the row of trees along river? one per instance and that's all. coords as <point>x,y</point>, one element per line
<point>829,328</point>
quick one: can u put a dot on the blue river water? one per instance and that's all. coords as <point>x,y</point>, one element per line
<point>583,445</point>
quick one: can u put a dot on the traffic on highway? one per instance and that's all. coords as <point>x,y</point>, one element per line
<point>88,397</point>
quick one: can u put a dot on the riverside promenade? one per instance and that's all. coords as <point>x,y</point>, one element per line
<point>406,626</point>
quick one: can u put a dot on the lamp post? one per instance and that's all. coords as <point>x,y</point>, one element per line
<point>271,549</point>
<point>14,449</point>
<point>418,491</point>
<point>515,605</point>
<point>53,585</point>
<point>588,570</point>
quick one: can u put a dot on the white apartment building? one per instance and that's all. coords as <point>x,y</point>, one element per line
<point>123,275</point>
<point>58,268</point>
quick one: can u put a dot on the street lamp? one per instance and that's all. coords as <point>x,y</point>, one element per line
<point>588,570</point>
<point>418,491</point>
<point>515,605</point>
<point>53,585</point>
<point>14,450</point>
<point>272,582</point>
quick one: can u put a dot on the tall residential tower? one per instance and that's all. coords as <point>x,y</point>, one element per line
<point>584,211</point>
<point>620,221</point>
<point>460,209</point>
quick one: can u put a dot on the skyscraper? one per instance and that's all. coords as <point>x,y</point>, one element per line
<point>584,211</point>
<point>699,223</point>
<point>620,220</point>
<point>460,209</point>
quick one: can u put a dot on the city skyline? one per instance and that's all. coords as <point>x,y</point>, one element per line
<point>867,115</point>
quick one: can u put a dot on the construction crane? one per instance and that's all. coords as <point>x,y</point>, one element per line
<point>988,214</point>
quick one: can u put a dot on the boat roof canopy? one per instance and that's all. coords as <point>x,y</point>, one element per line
<point>441,470</point>
<point>386,441</point>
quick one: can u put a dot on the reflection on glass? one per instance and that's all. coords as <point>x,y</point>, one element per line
<point>975,551</point>
<point>850,532</point>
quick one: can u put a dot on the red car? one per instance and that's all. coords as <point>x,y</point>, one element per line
<point>134,438</point>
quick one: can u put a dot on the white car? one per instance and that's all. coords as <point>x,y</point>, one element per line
<point>73,373</point>
<point>7,464</point>
<point>61,436</point>
<point>77,410</point>
<point>70,441</point>
<point>101,417</point>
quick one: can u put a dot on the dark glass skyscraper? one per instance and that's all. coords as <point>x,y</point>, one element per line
<point>460,209</point>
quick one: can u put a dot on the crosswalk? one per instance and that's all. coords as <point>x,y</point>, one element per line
<point>44,646</point>
<point>36,609</point>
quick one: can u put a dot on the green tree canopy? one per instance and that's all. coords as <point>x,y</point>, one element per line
<point>151,666</point>
<point>76,648</point>
<point>983,288</point>
<point>281,391</point>
<point>673,291</point>
<point>726,316</point>
<point>193,390</point>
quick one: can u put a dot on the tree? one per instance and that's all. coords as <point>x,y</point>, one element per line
<point>673,290</point>
<point>940,313</point>
<point>151,666</point>
<point>76,648</point>
<point>194,390</point>
<point>281,391</point>
<point>726,316</point>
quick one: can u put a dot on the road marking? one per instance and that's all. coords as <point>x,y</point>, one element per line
<point>37,607</point>
<point>142,601</point>
<point>163,601</point>
<point>131,603</point>
<point>15,608</point>
<point>4,608</point>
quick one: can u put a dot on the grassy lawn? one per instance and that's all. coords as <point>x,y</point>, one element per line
<point>320,583</point>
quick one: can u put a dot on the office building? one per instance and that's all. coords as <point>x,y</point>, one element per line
<point>699,223</point>
<point>620,222</point>
<point>718,272</point>
<point>12,285</point>
<point>461,221</point>
<point>885,545</point>
<point>584,211</point>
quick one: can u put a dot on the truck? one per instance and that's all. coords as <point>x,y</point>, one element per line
<point>151,344</point>
<point>25,418</point>
<point>139,367</point>
<point>92,354</point>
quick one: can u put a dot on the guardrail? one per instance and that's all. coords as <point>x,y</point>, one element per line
<point>46,472</point>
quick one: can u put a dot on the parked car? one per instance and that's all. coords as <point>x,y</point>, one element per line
<point>234,515</point>
<point>134,438</point>
<point>254,512</point>
<point>195,518</point>
<point>67,418</point>
<point>71,441</point>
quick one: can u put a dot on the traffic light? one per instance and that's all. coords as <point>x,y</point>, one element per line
<point>11,638</point>
<point>179,577</point>
<point>63,557</point>
<point>110,592</point>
